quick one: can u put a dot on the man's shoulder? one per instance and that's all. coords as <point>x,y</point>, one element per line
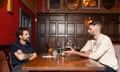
<point>16,43</point>
<point>106,37</point>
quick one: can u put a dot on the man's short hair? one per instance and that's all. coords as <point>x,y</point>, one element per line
<point>20,31</point>
<point>98,23</point>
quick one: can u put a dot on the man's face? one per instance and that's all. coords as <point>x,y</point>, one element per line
<point>91,30</point>
<point>25,36</point>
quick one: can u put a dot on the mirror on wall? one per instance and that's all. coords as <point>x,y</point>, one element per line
<point>108,4</point>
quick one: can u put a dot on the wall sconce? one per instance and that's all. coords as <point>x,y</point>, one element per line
<point>88,21</point>
<point>10,6</point>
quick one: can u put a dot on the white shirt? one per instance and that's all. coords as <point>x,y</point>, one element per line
<point>102,51</point>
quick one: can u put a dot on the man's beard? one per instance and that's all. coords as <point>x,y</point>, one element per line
<point>91,36</point>
<point>26,40</point>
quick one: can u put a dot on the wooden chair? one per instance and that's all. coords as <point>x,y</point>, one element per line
<point>3,62</point>
<point>8,58</point>
<point>7,53</point>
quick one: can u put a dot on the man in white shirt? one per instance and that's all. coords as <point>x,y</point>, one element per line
<point>99,48</point>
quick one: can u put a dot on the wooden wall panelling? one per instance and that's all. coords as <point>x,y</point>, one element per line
<point>70,29</point>
<point>52,28</point>
<point>41,44</point>
<point>80,29</point>
<point>41,28</point>
<point>61,41</point>
<point>110,26</point>
<point>52,42</point>
<point>56,28</point>
<point>61,28</point>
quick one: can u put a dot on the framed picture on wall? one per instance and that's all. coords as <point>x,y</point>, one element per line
<point>54,4</point>
<point>72,4</point>
<point>90,4</point>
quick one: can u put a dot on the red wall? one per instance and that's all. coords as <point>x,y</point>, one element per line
<point>10,22</point>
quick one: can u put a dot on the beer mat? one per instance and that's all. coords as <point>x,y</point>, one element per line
<point>48,56</point>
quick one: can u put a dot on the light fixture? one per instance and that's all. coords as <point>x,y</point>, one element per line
<point>10,6</point>
<point>88,21</point>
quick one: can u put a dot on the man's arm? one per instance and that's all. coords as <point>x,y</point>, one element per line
<point>73,52</point>
<point>32,56</point>
<point>22,56</point>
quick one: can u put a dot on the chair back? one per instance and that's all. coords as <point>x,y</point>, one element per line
<point>3,63</point>
<point>7,54</point>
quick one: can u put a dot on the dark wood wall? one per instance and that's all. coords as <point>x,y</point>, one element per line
<point>52,29</point>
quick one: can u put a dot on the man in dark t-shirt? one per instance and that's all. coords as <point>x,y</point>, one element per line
<point>21,50</point>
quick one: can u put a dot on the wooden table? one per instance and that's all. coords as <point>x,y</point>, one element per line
<point>68,63</point>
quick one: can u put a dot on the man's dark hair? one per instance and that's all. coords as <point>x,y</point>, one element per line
<point>20,31</point>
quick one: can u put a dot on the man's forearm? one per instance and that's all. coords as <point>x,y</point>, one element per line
<point>32,56</point>
<point>81,54</point>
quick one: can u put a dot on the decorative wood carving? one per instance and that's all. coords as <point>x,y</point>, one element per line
<point>55,4</point>
<point>72,4</point>
<point>108,4</point>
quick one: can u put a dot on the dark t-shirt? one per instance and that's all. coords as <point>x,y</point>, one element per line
<point>25,48</point>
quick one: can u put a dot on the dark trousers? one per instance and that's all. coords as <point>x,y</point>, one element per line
<point>107,69</point>
<point>18,69</point>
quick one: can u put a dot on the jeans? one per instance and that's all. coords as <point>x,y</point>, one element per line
<point>18,69</point>
<point>107,69</point>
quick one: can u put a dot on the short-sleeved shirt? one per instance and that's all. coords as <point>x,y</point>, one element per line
<point>25,48</point>
<point>102,50</point>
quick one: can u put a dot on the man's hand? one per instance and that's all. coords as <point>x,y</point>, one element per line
<point>70,51</point>
<point>82,54</point>
<point>32,56</point>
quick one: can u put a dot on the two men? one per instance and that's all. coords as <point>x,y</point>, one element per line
<point>21,50</point>
<point>98,48</point>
